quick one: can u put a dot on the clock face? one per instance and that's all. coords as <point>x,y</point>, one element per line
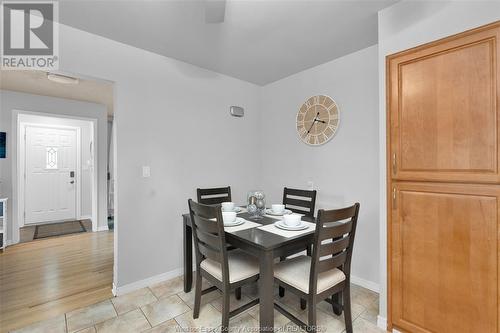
<point>317,120</point>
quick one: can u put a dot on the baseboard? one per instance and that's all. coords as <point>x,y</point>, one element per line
<point>382,323</point>
<point>102,228</point>
<point>85,217</point>
<point>365,284</point>
<point>117,291</point>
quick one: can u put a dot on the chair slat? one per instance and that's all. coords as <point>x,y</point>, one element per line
<point>338,214</point>
<point>335,231</point>
<point>209,239</point>
<point>212,191</point>
<point>210,253</point>
<point>206,225</point>
<point>214,201</point>
<point>333,262</point>
<point>298,203</point>
<point>333,247</point>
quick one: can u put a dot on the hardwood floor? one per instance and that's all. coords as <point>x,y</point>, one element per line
<point>49,277</point>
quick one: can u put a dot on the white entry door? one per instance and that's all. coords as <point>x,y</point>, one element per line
<point>50,179</point>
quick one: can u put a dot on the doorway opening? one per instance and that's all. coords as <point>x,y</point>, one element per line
<point>57,176</point>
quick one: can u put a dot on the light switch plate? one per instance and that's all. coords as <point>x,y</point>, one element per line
<point>146,171</point>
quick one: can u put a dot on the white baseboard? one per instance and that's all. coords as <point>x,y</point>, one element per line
<point>85,217</point>
<point>102,228</point>
<point>382,323</point>
<point>117,291</point>
<point>365,284</point>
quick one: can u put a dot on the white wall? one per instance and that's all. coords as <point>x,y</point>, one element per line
<point>344,170</point>
<point>85,154</point>
<point>10,103</point>
<point>173,117</point>
<point>402,26</point>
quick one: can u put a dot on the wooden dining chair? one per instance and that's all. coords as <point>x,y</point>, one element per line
<point>214,196</point>
<point>301,202</point>
<point>325,275</point>
<point>225,270</point>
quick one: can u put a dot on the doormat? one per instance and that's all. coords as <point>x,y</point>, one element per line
<point>58,229</point>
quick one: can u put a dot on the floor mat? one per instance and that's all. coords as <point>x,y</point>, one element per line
<point>58,229</point>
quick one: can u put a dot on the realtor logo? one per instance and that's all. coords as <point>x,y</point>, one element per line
<point>30,35</point>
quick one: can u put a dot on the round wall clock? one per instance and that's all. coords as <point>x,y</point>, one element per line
<point>318,120</point>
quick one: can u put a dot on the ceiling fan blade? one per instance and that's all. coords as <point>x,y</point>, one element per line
<point>215,11</point>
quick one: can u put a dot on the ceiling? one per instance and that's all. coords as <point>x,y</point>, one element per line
<point>259,41</point>
<point>36,82</point>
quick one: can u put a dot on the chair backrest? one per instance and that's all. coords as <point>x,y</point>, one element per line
<point>299,201</point>
<point>214,196</point>
<point>208,234</point>
<point>333,242</point>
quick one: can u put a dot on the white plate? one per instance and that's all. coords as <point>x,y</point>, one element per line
<point>271,212</point>
<point>236,210</point>
<point>281,225</point>
<point>239,221</point>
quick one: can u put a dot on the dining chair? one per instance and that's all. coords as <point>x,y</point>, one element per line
<point>225,270</point>
<point>214,196</point>
<point>301,202</point>
<point>326,274</point>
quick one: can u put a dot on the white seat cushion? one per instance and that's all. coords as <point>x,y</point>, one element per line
<point>241,266</point>
<point>295,272</point>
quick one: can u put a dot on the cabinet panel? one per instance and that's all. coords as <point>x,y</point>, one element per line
<point>443,110</point>
<point>445,257</point>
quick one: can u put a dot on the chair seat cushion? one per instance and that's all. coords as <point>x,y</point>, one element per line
<point>241,266</point>
<point>295,272</point>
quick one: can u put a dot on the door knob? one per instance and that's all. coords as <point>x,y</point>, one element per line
<point>72,182</point>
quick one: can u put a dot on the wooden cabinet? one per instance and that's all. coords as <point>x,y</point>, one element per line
<point>445,258</point>
<point>444,184</point>
<point>444,116</point>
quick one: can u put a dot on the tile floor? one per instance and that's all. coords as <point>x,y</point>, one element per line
<point>165,308</point>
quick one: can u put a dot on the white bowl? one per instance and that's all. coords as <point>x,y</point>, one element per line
<point>227,206</point>
<point>291,219</point>
<point>229,217</point>
<point>278,208</point>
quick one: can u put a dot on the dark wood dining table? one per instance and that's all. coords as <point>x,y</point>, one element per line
<point>262,244</point>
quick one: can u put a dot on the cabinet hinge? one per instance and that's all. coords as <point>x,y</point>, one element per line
<point>394,163</point>
<point>394,198</point>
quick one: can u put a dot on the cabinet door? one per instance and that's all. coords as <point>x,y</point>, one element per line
<point>444,240</point>
<point>443,109</point>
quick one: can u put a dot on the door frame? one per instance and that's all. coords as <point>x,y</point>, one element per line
<point>22,159</point>
<point>19,163</point>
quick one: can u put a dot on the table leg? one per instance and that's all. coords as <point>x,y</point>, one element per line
<point>266,292</point>
<point>188,257</point>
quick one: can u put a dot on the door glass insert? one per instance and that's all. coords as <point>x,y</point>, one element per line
<point>51,157</point>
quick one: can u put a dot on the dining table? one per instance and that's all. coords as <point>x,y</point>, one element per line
<point>260,240</point>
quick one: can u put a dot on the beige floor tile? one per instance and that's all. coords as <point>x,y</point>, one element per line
<point>362,326</point>
<point>243,323</point>
<point>164,309</point>
<point>356,310</point>
<point>280,320</point>
<point>133,300</point>
<point>89,316</point>
<point>130,322</point>
<point>188,298</point>
<point>363,296</point>
<point>54,325</point>
<point>168,288</point>
<point>290,302</point>
<point>170,326</point>
<point>371,312</point>
<point>88,330</point>
<point>325,322</point>
<point>233,302</point>
<point>209,319</point>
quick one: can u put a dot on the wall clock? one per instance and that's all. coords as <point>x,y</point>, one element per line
<point>317,120</point>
